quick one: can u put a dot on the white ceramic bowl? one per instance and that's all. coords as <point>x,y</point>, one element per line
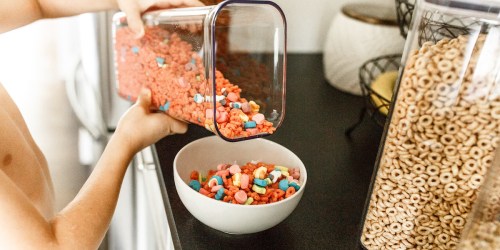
<point>207,153</point>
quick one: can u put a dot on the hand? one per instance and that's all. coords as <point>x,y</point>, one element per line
<point>134,8</point>
<point>139,127</point>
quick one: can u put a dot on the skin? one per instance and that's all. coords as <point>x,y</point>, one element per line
<point>26,191</point>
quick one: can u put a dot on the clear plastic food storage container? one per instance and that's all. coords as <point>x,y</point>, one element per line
<point>221,66</point>
<point>482,230</point>
<point>442,129</point>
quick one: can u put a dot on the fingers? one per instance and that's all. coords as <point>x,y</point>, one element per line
<point>177,3</point>
<point>176,126</point>
<point>165,125</point>
<point>134,20</point>
<point>169,124</point>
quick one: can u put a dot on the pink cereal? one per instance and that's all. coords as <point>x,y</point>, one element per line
<point>234,169</point>
<point>215,188</point>
<point>232,97</point>
<point>222,117</point>
<point>222,173</point>
<point>245,107</point>
<point>221,166</point>
<point>240,196</point>
<point>252,131</point>
<point>258,118</point>
<point>245,179</point>
<point>209,114</point>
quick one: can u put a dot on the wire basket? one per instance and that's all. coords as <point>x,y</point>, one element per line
<point>368,72</point>
<point>435,26</point>
<point>374,101</point>
<point>404,12</point>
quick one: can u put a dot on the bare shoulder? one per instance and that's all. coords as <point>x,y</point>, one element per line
<point>20,158</point>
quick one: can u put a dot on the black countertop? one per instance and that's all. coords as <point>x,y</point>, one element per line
<point>339,169</point>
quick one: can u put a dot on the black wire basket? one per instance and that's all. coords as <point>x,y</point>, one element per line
<point>368,72</point>
<point>374,101</point>
<point>434,26</point>
<point>404,12</point>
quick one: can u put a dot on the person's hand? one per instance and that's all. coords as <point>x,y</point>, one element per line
<point>134,8</point>
<point>140,127</point>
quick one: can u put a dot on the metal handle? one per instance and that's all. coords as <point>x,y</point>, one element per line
<point>147,167</point>
<point>98,130</point>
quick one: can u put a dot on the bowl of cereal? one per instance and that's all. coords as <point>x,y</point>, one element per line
<point>239,187</point>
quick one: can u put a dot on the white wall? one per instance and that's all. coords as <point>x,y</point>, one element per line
<point>308,21</point>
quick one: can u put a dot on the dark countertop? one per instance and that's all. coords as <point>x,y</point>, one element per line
<point>339,169</point>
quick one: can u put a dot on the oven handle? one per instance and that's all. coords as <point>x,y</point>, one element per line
<point>97,131</point>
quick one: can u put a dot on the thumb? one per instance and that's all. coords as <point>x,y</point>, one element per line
<point>144,99</point>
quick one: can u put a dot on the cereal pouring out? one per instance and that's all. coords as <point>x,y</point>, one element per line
<point>220,82</point>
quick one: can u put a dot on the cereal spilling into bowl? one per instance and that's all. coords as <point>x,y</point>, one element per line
<point>251,184</point>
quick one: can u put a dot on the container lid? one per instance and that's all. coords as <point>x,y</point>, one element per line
<point>371,13</point>
<point>489,9</point>
<point>490,6</point>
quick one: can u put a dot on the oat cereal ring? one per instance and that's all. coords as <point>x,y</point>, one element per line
<point>475,181</point>
<point>425,82</point>
<point>450,187</point>
<point>495,142</point>
<point>418,182</point>
<point>476,152</point>
<point>452,128</point>
<point>448,140</point>
<point>425,120</point>
<point>439,126</point>
<point>415,198</point>
<point>408,96</point>
<point>446,177</point>
<point>451,53</point>
<point>406,83</point>
<point>418,169</point>
<point>451,244</point>
<point>423,106</point>
<point>396,174</point>
<point>487,160</point>
<point>403,126</point>
<point>458,221</point>
<point>421,240</point>
<point>432,170</point>
<point>443,89</point>
<point>470,165</point>
<point>443,238</point>
<point>495,113</point>
<point>421,62</point>
<point>434,157</point>
<point>392,132</point>
<point>400,112</point>
<point>433,181</point>
<point>445,65</point>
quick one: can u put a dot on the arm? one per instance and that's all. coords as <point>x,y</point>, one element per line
<point>84,222</point>
<point>17,13</point>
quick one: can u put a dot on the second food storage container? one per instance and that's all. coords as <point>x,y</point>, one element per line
<point>442,130</point>
<point>221,66</point>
